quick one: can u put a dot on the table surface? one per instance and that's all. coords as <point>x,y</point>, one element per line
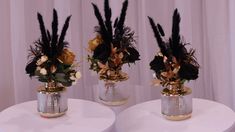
<point>207,116</point>
<point>82,116</point>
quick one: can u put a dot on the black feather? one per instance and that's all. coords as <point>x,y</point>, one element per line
<point>45,45</point>
<point>175,37</point>
<point>108,22</point>
<point>61,43</point>
<point>161,31</point>
<point>54,26</point>
<point>163,46</point>
<point>115,22</point>
<point>178,48</point>
<point>120,24</point>
<point>51,53</point>
<point>155,31</point>
<point>103,30</point>
<point>48,35</point>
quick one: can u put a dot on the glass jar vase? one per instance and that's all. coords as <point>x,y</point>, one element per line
<point>176,102</point>
<point>113,93</point>
<point>52,100</point>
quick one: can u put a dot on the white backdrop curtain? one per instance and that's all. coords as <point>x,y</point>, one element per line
<point>209,25</point>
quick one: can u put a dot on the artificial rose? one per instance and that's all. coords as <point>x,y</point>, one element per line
<point>188,72</point>
<point>72,77</point>
<point>43,59</point>
<point>67,57</point>
<point>43,71</point>
<point>38,68</point>
<point>94,42</point>
<point>157,64</point>
<point>78,75</point>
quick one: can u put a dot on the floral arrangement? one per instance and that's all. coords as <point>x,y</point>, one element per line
<point>113,45</point>
<point>50,58</point>
<point>173,64</point>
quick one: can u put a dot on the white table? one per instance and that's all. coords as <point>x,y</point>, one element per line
<point>207,116</point>
<point>82,116</point>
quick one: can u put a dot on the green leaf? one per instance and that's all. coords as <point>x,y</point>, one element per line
<point>60,77</point>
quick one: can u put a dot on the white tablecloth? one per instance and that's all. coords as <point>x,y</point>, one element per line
<point>82,116</point>
<point>207,116</point>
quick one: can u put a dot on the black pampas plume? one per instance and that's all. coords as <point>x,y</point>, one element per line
<point>161,31</point>
<point>115,22</point>
<point>61,43</point>
<point>54,26</point>
<point>108,22</point>
<point>120,24</point>
<point>103,51</point>
<point>45,43</point>
<point>155,31</point>
<point>48,35</point>
<point>163,46</point>
<point>103,30</point>
<point>178,48</point>
<point>175,37</point>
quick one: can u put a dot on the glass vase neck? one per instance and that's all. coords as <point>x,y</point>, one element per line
<point>53,86</point>
<point>176,88</point>
<point>50,84</point>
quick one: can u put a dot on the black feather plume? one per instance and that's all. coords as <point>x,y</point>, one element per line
<point>155,30</point>
<point>103,51</point>
<point>45,45</point>
<point>175,37</point>
<point>50,49</point>
<point>161,31</point>
<point>103,30</point>
<point>54,26</point>
<point>61,43</point>
<point>120,24</point>
<point>115,22</point>
<point>158,37</point>
<point>48,35</point>
<point>108,22</point>
<point>178,48</point>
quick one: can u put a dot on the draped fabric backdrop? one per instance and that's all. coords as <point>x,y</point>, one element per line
<point>208,25</point>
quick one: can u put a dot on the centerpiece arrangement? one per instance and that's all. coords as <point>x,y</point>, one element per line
<point>112,47</point>
<point>173,66</point>
<point>52,63</point>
